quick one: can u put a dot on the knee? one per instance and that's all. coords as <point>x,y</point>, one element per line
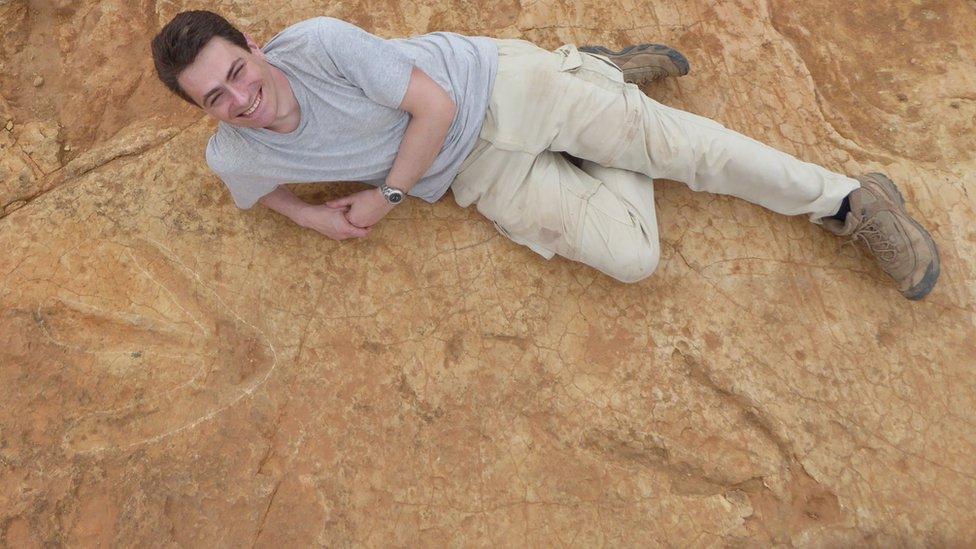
<point>635,264</point>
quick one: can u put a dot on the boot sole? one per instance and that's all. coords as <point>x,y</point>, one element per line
<point>924,286</point>
<point>640,76</point>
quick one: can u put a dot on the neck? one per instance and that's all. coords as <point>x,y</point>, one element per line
<point>289,112</point>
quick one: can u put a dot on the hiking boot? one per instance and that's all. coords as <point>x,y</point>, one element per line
<point>879,221</point>
<point>644,62</point>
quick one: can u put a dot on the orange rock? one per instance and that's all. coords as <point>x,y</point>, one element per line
<point>175,371</point>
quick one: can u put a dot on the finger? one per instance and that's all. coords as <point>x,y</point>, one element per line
<point>347,227</point>
<point>354,221</point>
<point>354,231</point>
<point>340,202</point>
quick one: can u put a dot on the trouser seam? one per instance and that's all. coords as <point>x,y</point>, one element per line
<point>632,124</point>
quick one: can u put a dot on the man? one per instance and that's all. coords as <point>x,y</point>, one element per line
<point>557,148</point>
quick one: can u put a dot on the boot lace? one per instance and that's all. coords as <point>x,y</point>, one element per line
<point>874,238</point>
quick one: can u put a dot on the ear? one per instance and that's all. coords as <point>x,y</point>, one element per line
<point>255,49</point>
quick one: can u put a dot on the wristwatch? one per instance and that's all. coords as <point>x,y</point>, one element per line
<point>393,195</point>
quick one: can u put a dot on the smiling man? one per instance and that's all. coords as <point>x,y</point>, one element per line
<point>557,148</point>
<point>326,101</point>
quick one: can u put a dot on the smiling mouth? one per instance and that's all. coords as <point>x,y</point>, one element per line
<point>254,106</point>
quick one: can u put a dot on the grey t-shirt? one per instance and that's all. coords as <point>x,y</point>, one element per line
<point>349,85</point>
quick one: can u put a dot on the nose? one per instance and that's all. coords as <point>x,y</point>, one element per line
<point>240,95</point>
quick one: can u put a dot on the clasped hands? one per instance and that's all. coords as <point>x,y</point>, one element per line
<point>351,216</point>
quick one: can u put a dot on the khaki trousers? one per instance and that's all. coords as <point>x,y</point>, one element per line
<point>602,214</point>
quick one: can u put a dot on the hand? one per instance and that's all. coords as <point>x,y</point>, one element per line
<point>331,222</point>
<point>365,208</point>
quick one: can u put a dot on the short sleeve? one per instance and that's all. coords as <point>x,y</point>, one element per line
<point>369,62</point>
<point>245,189</point>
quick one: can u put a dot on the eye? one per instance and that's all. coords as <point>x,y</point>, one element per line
<point>238,71</point>
<point>215,98</point>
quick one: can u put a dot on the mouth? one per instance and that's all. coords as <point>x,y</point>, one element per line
<point>254,106</point>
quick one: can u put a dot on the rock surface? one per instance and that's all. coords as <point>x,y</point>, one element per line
<point>174,371</point>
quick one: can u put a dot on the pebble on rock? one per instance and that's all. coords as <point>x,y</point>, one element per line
<point>39,81</point>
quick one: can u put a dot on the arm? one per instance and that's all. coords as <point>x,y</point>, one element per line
<point>431,113</point>
<point>323,218</point>
<point>283,201</point>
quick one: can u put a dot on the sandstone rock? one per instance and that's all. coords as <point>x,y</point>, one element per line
<point>38,82</point>
<point>39,141</point>
<point>174,371</point>
<point>19,176</point>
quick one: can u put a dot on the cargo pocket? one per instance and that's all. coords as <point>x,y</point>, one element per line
<point>611,207</point>
<point>544,252</point>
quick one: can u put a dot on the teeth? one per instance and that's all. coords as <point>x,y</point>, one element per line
<point>257,102</point>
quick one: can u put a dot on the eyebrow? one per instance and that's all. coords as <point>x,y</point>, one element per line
<point>217,89</point>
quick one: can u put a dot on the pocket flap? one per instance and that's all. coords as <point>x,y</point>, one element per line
<point>572,59</point>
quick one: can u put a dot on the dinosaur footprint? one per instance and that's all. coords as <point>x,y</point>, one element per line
<point>174,357</point>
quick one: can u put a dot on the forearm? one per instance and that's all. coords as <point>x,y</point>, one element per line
<point>422,141</point>
<point>283,201</point>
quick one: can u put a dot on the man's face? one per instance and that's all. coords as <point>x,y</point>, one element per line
<point>232,84</point>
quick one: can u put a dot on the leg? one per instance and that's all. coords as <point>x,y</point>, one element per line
<point>666,142</point>
<point>603,217</point>
<point>601,248</point>
<point>577,103</point>
<point>574,102</point>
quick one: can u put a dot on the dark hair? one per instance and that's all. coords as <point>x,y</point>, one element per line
<point>177,45</point>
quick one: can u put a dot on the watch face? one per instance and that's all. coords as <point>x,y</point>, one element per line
<point>395,197</point>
